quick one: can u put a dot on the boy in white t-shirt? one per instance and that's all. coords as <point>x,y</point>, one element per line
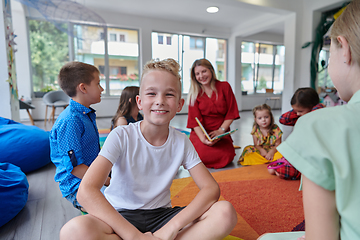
<point>144,158</point>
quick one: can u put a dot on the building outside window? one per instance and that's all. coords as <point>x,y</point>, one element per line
<point>186,49</point>
<point>117,56</point>
<point>262,68</point>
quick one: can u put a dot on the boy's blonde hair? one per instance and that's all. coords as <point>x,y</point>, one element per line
<point>74,73</point>
<point>268,108</point>
<point>348,26</point>
<point>169,65</point>
<point>196,87</point>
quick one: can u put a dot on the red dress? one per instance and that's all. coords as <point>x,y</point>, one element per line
<point>212,112</point>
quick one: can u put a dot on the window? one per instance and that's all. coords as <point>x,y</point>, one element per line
<point>49,52</point>
<point>160,39</point>
<point>196,43</point>
<point>186,49</point>
<point>118,66</point>
<point>324,81</point>
<point>122,37</point>
<point>262,67</point>
<point>168,40</point>
<point>112,37</point>
<point>123,70</point>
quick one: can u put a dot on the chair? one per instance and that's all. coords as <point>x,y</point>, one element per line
<point>27,106</point>
<point>273,99</point>
<point>55,99</point>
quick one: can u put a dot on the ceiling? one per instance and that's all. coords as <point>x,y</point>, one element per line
<point>233,14</point>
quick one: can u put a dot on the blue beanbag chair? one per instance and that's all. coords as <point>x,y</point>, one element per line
<point>27,147</point>
<point>13,191</point>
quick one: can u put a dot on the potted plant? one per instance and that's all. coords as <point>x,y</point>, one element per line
<point>44,90</point>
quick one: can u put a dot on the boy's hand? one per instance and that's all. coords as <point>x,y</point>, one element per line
<point>166,234</point>
<point>107,182</point>
<point>148,236</point>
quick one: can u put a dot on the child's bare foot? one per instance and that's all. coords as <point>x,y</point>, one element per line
<point>272,171</point>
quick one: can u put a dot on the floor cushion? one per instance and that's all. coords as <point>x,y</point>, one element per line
<point>13,191</point>
<point>27,147</point>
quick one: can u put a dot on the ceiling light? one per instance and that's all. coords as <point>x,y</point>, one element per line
<point>212,9</point>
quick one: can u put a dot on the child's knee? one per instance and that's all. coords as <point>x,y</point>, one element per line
<point>74,229</point>
<point>226,213</point>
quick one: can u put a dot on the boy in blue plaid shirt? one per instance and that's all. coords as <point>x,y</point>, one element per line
<point>74,138</point>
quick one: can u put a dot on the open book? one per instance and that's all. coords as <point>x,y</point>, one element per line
<point>214,138</point>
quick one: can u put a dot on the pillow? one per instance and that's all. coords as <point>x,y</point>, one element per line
<point>27,147</point>
<point>13,191</point>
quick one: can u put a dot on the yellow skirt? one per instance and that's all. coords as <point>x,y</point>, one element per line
<point>256,159</point>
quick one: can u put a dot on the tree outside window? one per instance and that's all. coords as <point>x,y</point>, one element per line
<point>49,52</point>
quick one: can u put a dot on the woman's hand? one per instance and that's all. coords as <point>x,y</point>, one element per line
<point>210,143</point>
<point>216,133</point>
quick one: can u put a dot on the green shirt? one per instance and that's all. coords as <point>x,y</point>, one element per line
<point>325,147</point>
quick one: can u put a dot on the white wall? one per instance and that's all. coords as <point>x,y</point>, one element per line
<point>298,17</point>
<point>5,110</point>
<point>21,56</point>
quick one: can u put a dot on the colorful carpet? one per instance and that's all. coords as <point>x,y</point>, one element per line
<point>264,203</point>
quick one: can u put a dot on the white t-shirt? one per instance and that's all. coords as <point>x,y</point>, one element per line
<point>142,173</point>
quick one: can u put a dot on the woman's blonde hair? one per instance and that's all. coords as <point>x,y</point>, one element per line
<point>268,108</point>
<point>196,88</point>
<point>169,65</point>
<point>348,26</point>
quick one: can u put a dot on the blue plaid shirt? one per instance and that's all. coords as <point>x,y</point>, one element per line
<point>74,140</point>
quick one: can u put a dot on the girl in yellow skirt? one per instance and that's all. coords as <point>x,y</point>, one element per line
<point>266,135</point>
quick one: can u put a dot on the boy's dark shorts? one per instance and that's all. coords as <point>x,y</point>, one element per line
<point>150,220</point>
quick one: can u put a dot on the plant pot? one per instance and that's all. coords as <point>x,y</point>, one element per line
<point>39,94</point>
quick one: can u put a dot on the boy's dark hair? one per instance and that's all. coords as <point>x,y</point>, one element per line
<point>305,97</point>
<point>74,73</point>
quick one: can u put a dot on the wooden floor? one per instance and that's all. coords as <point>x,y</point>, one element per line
<point>46,211</point>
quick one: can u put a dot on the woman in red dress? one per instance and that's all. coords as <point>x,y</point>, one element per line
<point>214,104</point>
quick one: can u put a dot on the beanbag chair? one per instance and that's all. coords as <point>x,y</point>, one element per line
<point>13,191</point>
<point>27,147</point>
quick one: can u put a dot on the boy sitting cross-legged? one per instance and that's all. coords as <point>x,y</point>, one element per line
<point>74,138</point>
<point>144,157</point>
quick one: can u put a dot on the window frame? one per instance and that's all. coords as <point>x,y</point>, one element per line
<point>71,48</point>
<point>181,50</point>
<point>255,65</point>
